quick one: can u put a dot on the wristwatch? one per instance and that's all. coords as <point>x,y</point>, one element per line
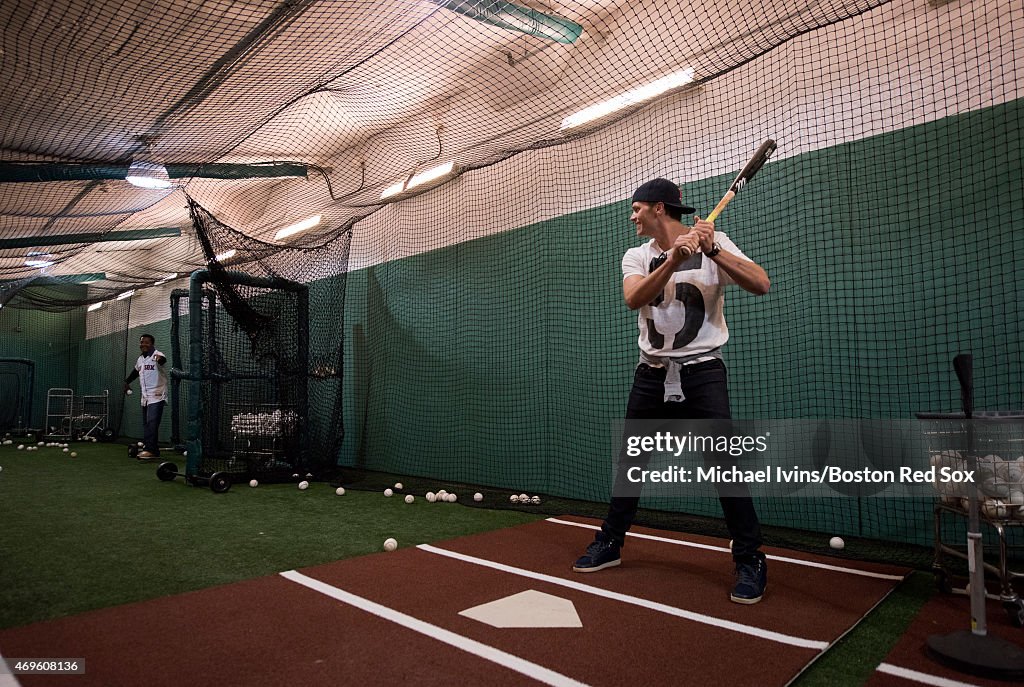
<point>715,249</point>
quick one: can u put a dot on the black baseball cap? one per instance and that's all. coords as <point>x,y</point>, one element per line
<point>661,191</point>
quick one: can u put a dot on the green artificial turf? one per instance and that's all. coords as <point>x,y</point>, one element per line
<point>853,659</point>
<point>100,529</point>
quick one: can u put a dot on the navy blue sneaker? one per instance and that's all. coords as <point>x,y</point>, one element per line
<point>600,555</point>
<point>751,581</point>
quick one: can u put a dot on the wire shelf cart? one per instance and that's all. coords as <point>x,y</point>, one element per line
<point>998,452</point>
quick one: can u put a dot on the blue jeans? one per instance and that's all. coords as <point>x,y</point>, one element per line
<point>151,416</point>
<point>705,396</point>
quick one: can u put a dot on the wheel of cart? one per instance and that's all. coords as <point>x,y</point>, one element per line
<point>219,482</point>
<point>1015,609</point>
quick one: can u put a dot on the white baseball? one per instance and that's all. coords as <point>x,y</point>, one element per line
<point>390,544</point>
<point>340,491</point>
<point>388,492</point>
<point>478,496</point>
<point>303,485</point>
<point>409,498</point>
<point>837,543</point>
<point>253,483</point>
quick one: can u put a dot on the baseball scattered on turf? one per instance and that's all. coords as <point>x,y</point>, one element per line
<point>398,485</point>
<point>390,544</point>
<point>478,496</point>
<point>837,543</point>
<point>340,491</point>
<point>388,492</point>
<point>73,454</point>
<point>409,498</point>
<point>431,497</point>
<point>253,483</point>
<point>303,485</point>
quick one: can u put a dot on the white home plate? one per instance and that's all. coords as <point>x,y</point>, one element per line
<point>526,609</point>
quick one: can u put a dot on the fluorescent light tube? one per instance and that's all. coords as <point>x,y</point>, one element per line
<point>293,229</point>
<point>431,174</point>
<point>629,98</point>
<point>393,190</point>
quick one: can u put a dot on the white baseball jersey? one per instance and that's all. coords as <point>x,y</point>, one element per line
<point>686,321</point>
<point>152,378</point>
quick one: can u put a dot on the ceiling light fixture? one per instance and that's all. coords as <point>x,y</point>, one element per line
<point>166,279</point>
<point>631,97</point>
<point>514,17</point>
<point>434,174</point>
<point>393,190</point>
<point>41,264</point>
<point>148,175</point>
<point>293,229</point>
<point>226,255</point>
<point>431,174</point>
<point>95,306</point>
<point>126,294</point>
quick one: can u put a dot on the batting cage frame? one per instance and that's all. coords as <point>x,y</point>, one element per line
<point>246,415</point>
<point>16,408</point>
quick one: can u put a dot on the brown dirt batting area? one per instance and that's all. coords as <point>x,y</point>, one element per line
<point>942,615</point>
<point>661,618</point>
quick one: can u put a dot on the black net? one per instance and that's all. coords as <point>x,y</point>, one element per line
<point>17,376</point>
<point>451,178</point>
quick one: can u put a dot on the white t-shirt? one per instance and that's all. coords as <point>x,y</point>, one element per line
<point>152,378</point>
<point>687,320</point>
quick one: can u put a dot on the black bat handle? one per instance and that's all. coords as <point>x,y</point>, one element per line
<point>964,366</point>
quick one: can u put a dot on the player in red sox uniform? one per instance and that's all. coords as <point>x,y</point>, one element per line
<point>149,370</point>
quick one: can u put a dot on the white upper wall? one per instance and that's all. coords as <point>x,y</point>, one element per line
<point>902,64</point>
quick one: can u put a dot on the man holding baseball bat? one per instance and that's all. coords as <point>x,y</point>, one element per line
<point>676,281</point>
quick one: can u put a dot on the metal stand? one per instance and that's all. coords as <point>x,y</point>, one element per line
<point>975,651</point>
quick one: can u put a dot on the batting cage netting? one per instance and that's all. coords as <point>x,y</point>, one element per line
<point>451,181</point>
